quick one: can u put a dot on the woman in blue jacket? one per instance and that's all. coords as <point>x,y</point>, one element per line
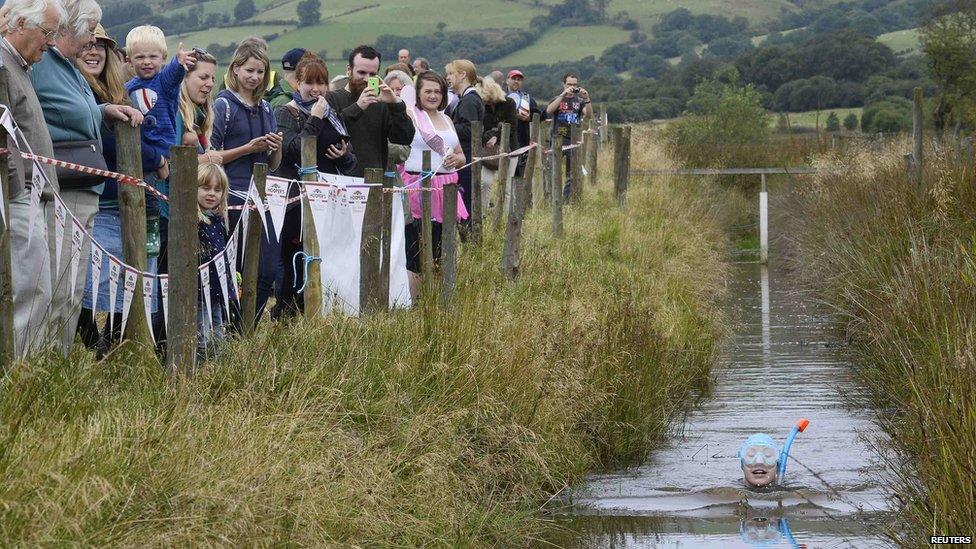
<point>245,133</point>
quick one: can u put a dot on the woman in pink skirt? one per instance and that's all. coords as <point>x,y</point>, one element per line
<point>435,133</point>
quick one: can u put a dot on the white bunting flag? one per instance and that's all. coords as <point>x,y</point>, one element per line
<point>128,291</point>
<point>276,193</point>
<point>60,218</point>
<point>205,288</point>
<point>77,243</point>
<point>37,185</point>
<point>147,296</point>
<point>114,272</point>
<point>96,275</point>
<point>219,262</point>
<point>231,256</point>
<point>164,293</point>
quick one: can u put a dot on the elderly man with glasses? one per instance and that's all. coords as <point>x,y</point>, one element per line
<point>29,28</point>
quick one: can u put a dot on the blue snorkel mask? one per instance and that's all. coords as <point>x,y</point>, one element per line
<point>760,450</point>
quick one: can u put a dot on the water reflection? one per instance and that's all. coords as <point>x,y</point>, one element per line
<point>785,362</point>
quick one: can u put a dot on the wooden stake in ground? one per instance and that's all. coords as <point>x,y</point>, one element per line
<point>545,142</point>
<point>184,272</point>
<point>6,272</point>
<point>592,153</point>
<point>426,238</point>
<point>513,231</point>
<point>312,303</point>
<point>370,247</point>
<point>132,212</point>
<point>477,208</point>
<point>557,191</point>
<point>501,176</point>
<point>252,255</point>
<point>449,244</point>
<point>533,185</point>
<point>575,166</point>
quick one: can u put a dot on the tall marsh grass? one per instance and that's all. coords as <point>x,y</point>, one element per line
<point>410,428</point>
<point>898,259</point>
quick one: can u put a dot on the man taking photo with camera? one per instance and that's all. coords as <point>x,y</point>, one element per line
<point>568,110</point>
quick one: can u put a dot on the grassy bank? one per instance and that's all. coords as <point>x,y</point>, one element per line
<point>898,259</point>
<point>410,428</point>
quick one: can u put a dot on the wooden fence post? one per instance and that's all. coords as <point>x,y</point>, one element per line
<point>501,175</point>
<point>132,211</point>
<point>575,166</point>
<point>592,153</point>
<point>557,192</point>
<point>312,304</point>
<point>449,244</point>
<point>426,238</point>
<point>513,231</point>
<point>184,277</point>
<point>477,208</point>
<point>252,255</point>
<point>545,173</point>
<point>531,181</point>
<point>370,247</point>
<point>6,273</point>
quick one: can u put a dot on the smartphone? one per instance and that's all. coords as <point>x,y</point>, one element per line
<point>374,84</point>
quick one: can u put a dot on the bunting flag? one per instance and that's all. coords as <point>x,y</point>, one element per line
<point>37,184</point>
<point>128,291</point>
<point>114,272</point>
<point>60,218</point>
<point>220,263</point>
<point>276,193</point>
<point>147,296</point>
<point>231,256</point>
<point>77,243</point>
<point>164,293</point>
<point>96,275</point>
<point>205,288</point>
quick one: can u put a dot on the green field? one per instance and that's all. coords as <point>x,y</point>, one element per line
<point>566,44</point>
<point>809,119</point>
<point>902,41</point>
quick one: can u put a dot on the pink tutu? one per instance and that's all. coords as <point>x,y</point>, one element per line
<point>437,196</point>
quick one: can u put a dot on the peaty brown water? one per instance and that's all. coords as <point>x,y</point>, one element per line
<point>784,363</point>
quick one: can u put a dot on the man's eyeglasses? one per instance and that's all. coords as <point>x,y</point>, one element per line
<point>48,34</point>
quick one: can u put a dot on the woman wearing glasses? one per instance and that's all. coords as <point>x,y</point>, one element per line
<point>101,69</point>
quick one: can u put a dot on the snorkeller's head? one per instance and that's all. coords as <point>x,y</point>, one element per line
<point>759,457</point>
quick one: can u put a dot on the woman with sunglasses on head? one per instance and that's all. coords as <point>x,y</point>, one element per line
<point>309,113</point>
<point>102,70</point>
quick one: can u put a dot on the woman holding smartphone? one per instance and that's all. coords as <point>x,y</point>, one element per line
<point>245,133</point>
<point>308,114</point>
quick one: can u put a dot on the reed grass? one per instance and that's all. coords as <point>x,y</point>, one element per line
<point>415,427</point>
<point>898,259</point>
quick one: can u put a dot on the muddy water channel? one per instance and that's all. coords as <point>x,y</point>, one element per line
<point>784,362</point>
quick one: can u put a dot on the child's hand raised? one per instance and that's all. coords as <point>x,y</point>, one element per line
<point>186,58</point>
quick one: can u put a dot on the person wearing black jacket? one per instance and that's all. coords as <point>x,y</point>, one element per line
<point>462,76</point>
<point>372,119</point>
<point>307,114</point>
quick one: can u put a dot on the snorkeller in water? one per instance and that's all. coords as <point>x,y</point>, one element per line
<point>762,460</point>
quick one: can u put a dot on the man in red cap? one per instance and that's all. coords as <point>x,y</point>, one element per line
<point>526,108</point>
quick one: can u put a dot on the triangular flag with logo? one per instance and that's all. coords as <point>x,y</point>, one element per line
<point>276,193</point>
<point>96,276</point>
<point>147,296</point>
<point>220,263</point>
<point>60,218</point>
<point>114,272</point>
<point>205,288</point>
<point>164,293</point>
<point>77,243</point>
<point>128,291</point>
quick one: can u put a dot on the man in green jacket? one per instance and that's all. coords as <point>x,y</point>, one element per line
<point>282,92</point>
